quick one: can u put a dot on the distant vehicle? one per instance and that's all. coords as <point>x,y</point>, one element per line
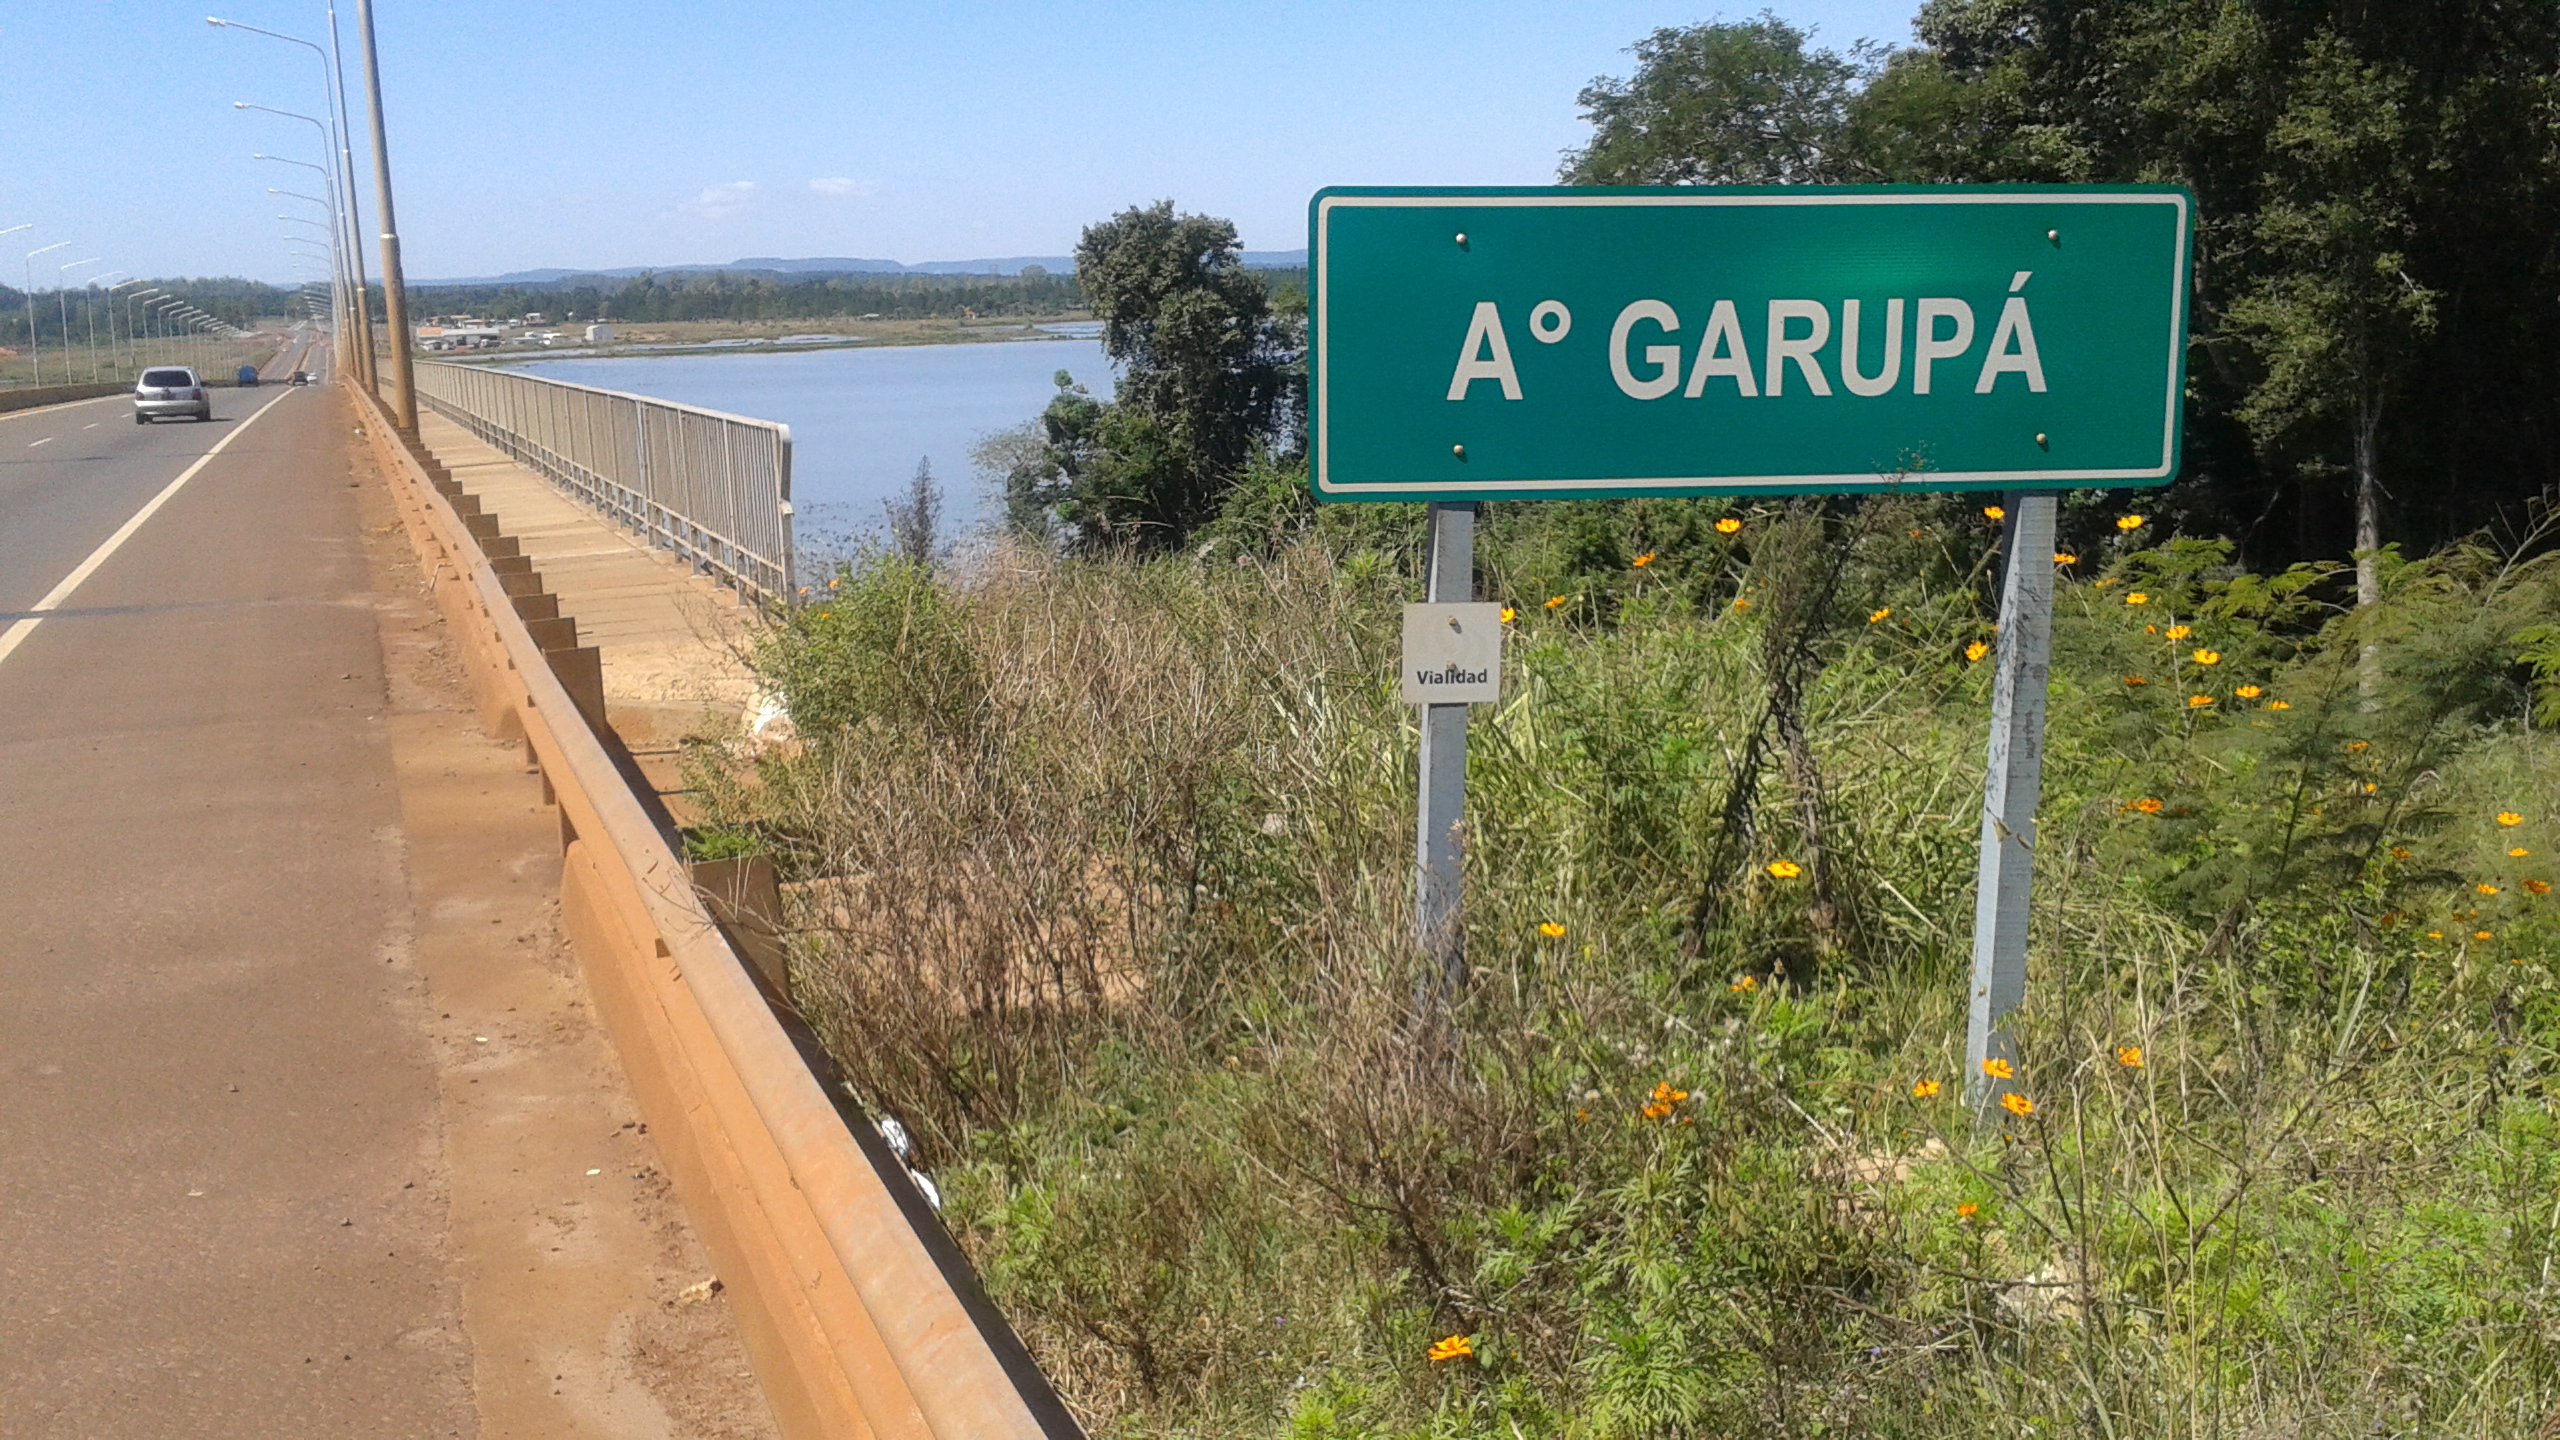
<point>248,377</point>
<point>301,377</point>
<point>170,390</point>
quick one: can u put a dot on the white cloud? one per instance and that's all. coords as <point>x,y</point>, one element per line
<point>719,202</point>
<point>841,187</point>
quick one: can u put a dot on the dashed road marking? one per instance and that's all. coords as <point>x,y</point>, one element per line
<point>49,439</point>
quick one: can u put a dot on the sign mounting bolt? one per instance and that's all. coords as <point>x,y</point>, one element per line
<point>1458,450</point>
<point>1462,239</point>
<point>2040,441</point>
<point>2054,237</point>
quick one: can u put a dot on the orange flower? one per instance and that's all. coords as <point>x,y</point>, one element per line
<point>1663,1094</point>
<point>1455,1347</point>
<point>1554,600</point>
<point>1644,559</point>
<point>2482,935</point>
<point>2279,705</point>
<point>1741,604</point>
<point>1877,617</point>
<point>1924,1090</point>
<point>2198,702</point>
<point>1743,984</point>
<point>1998,1069</point>
<point>2017,1104</point>
<point>2147,805</point>
<point>1509,614</point>
<point>2518,853</point>
<point>1657,1111</point>
<point>2137,598</point>
<point>1785,869</point>
<point>2399,852</point>
<point>1974,652</point>
<point>2486,888</point>
<point>2247,692</point>
<point>2129,1056</point>
<point>2179,632</point>
<point>1995,512</point>
<point>2065,557</point>
<point>1966,1210</point>
<point>1728,525</point>
<point>2137,679</point>
<point>2358,747</point>
<point>2537,887</point>
<point>1551,929</point>
<point>2207,657</point>
<point>2128,523</point>
<point>2509,817</point>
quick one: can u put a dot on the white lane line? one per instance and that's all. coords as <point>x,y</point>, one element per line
<point>92,425</point>
<point>49,439</point>
<point>17,634</point>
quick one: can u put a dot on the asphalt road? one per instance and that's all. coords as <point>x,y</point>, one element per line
<point>218,1128</point>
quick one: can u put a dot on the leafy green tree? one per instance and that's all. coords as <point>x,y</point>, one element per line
<point>1745,103</point>
<point>1206,378</point>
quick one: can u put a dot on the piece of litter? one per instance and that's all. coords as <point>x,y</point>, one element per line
<point>480,1039</point>
<point>193,1194</point>
<point>595,1172</point>
<point>699,1290</point>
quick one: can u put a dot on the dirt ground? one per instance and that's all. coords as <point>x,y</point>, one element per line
<point>589,1305</point>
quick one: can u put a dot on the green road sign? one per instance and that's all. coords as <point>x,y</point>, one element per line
<point>1506,344</point>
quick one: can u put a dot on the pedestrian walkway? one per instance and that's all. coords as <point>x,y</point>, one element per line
<point>673,643</point>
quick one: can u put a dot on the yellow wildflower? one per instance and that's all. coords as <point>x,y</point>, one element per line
<point>1975,651</point>
<point>1455,1347</point>
<point>2537,887</point>
<point>1741,604</point>
<point>1998,1069</point>
<point>2180,632</point>
<point>2399,852</point>
<point>2279,705</point>
<point>2485,888</point>
<point>1785,869</point>
<point>1995,512</point>
<point>1744,984</point>
<point>2147,805</point>
<point>2137,598</point>
<point>1728,525</point>
<point>1554,600</point>
<point>2137,679</point>
<point>2207,657</point>
<point>1551,929</point>
<point>2198,702</point>
<point>2065,557</point>
<point>2482,935</point>
<point>2129,1056</point>
<point>2128,523</point>
<point>2017,1104</point>
<point>2518,853</point>
<point>1965,1210</point>
<point>2509,817</point>
<point>1878,617</point>
<point>1644,559</point>
<point>1924,1090</point>
<point>1509,614</point>
<point>2247,692</point>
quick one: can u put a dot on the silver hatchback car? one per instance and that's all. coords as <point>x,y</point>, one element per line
<point>170,390</point>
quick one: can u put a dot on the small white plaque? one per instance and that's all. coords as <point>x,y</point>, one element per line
<point>1452,654</point>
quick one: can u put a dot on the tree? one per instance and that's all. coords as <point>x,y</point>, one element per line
<point>915,515</point>
<point>1206,378</point>
<point>1725,104</point>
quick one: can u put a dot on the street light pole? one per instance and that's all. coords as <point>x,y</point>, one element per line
<point>62,296</point>
<point>31,319</point>
<point>35,350</point>
<point>395,293</point>
<point>90,303</point>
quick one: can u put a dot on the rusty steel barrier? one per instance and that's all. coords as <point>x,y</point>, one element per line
<point>712,488</point>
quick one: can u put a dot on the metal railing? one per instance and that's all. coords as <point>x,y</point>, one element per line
<point>712,488</point>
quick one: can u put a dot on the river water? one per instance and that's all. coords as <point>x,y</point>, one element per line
<point>861,419</point>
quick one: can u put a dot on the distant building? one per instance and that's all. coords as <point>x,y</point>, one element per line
<point>599,334</point>
<point>536,317</point>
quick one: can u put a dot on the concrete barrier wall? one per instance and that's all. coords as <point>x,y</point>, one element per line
<point>35,396</point>
<point>853,1324</point>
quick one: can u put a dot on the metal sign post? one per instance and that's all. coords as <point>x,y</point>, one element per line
<point>1439,835</point>
<point>2010,786</point>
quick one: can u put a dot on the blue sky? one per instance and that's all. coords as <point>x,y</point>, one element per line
<point>558,132</point>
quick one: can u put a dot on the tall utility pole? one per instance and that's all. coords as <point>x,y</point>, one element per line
<point>362,339</point>
<point>395,286</point>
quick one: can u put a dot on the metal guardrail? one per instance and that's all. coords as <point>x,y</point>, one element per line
<point>713,488</point>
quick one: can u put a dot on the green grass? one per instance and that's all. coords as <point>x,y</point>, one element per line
<point>1103,869</point>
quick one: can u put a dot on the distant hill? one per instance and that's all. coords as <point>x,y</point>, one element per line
<point>830,265</point>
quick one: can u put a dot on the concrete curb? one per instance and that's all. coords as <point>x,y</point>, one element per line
<point>851,1325</point>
